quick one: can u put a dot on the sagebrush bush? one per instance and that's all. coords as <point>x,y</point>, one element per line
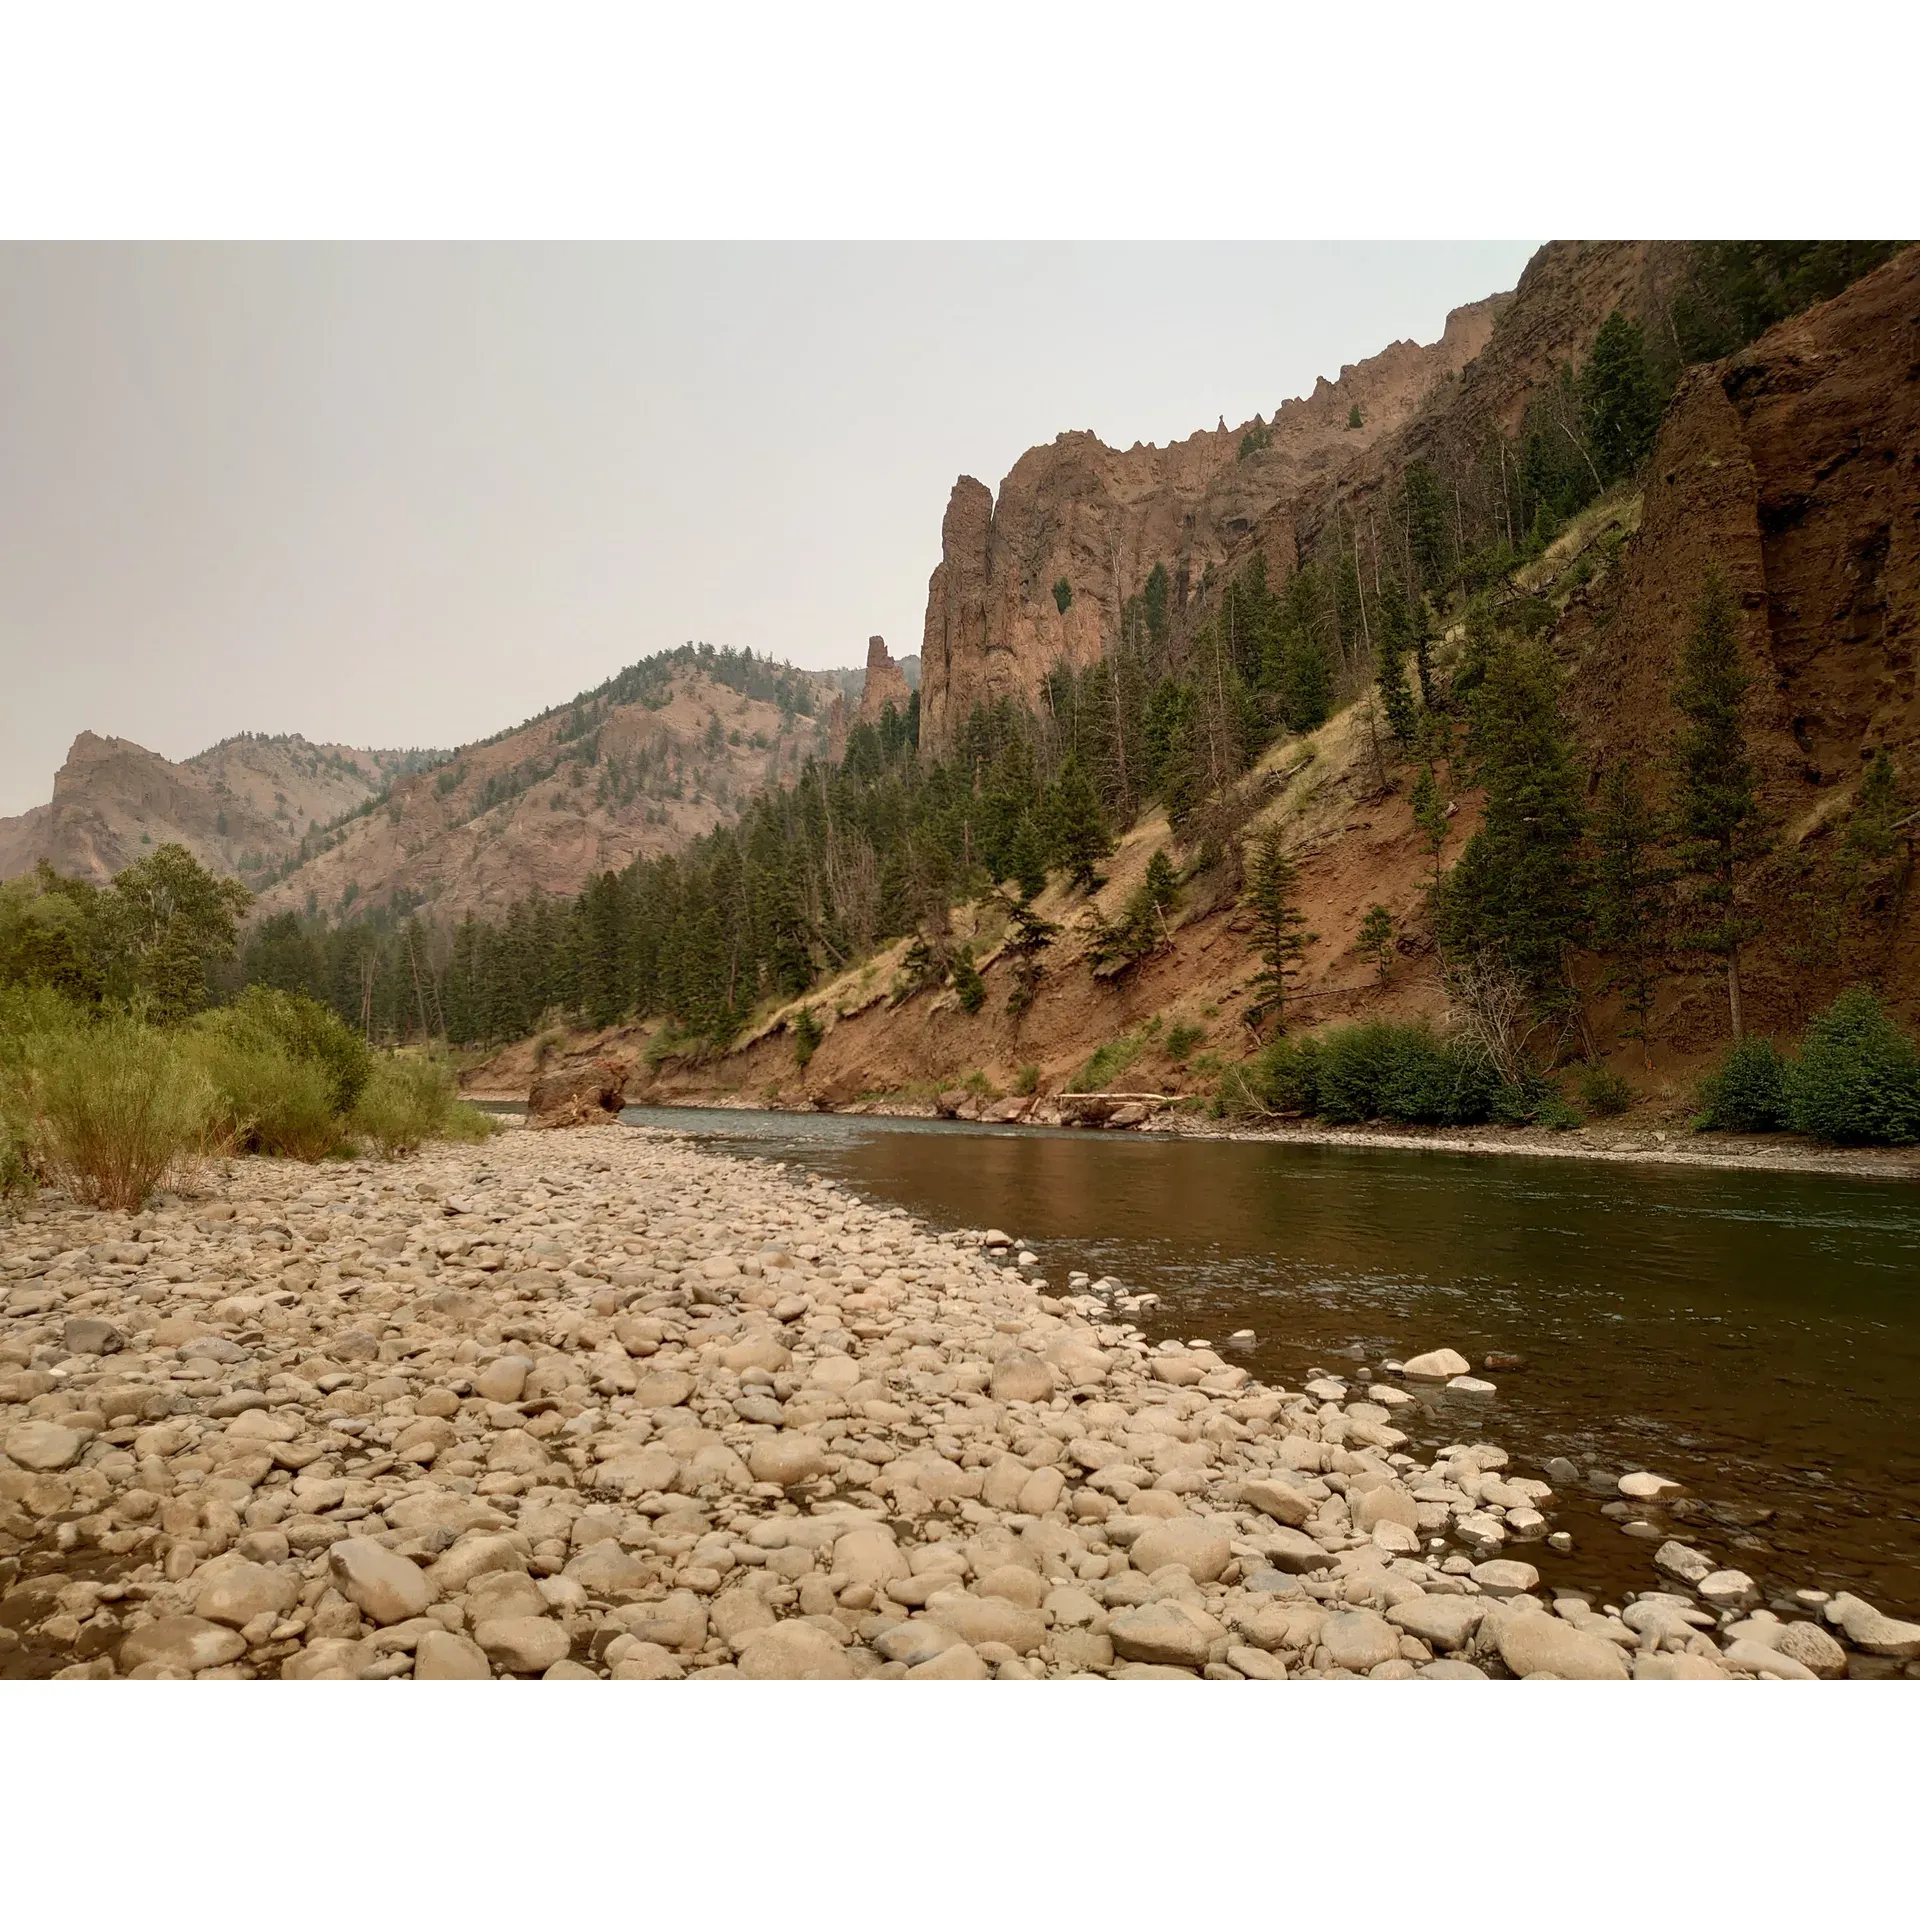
<point>113,1108</point>
<point>1746,1093</point>
<point>409,1100</point>
<point>1857,1080</point>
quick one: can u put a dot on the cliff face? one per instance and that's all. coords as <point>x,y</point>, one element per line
<point>238,807</point>
<point>1549,321</point>
<point>1794,470</point>
<point>1098,519</point>
<point>885,684</point>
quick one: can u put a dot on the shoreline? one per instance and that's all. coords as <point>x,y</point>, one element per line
<point>604,1403</point>
<point>1597,1141</point>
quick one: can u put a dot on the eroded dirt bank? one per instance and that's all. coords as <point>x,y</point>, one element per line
<point>600,1403</point>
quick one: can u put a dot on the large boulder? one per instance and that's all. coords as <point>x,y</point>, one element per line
<point>583,1096</point>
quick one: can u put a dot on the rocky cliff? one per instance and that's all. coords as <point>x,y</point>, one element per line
<point>240,807</point>
<point>885,684</point>
<point>1794,469</point>
<point>1038,576</point>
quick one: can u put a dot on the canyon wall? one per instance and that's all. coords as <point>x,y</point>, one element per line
<point>1097,519</point>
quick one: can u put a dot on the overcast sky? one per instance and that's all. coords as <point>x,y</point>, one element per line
<point>406,496</point>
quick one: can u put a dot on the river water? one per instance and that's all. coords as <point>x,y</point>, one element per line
<point>1754,1335</point>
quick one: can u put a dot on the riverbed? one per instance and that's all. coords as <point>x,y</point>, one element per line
<point>1754,1335</point>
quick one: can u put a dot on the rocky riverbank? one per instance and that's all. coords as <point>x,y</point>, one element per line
<point>598,1403</point>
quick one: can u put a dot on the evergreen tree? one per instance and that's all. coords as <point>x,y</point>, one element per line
<point>1281,937</point>
<point>1630,881</point>
<point>1717,804</point>
<point>1390,662</point>
<point>1376,940</point>
<point>1027,859</point>
<point>1079,833</point>
<point>1620,397</point>
<point>1515,895</point>
<point>1430,816</point>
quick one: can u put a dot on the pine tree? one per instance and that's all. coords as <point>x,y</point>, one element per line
<point>1079,833</point>
<point>1376,940</point>
<point>1515,896</point>
<point>1390,663</point>
<point>1353,415</point>
<point>1281,937</point>
<point>1717,804</point>
<point>1630,881</point>
<point>1027,858</point>
<point>1430,815</point>
<point>1620,398</point>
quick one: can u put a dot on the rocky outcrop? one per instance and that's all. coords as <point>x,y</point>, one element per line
<point>1038,578</point>
<point>885,685</point>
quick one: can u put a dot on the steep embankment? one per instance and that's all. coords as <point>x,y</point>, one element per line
<point>240,807</point>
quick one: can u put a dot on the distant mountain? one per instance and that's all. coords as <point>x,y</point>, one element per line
<point>644,764</point>
<point>242,807</point>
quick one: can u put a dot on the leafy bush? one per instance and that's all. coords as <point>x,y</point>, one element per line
<point>1605,1093</point>
<point>301,1029</point>
<point>113,1108</point>
<point>409,1100</point>
<point>1381,1070</point>
<point>266,1101</point>
<point>1377,1070</point>
<point>1857,1080</point>
<point>1747,1092</point>
<point>1027,1081</point>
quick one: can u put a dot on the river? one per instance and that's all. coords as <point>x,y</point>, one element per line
<point>1754,1335</point>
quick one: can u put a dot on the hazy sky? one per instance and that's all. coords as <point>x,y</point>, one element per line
<point>406,496</point>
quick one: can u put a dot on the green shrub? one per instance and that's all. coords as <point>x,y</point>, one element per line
<point>265,1100</point>
<point>1027,1081</point>
<point>1377,1070</point>
<point>1857,1080</point>
<point>1106,1062</point>
<point>1383,1070</point>
<point>1554,1112</point>
<point>1605,1093</point>
<point>1747,1092</point>
<point>1182,1038</point>
<point>113,1108</point>
<point>303,1030</point>
<point>409,1100</point>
